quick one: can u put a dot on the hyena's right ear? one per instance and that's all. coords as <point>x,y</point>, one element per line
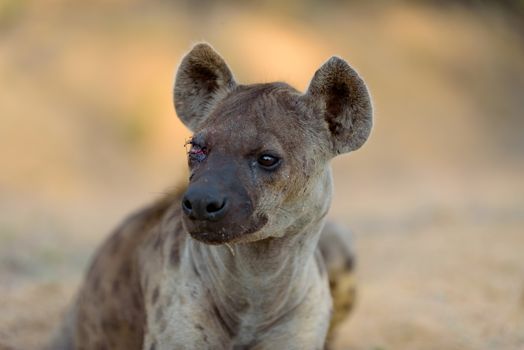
<point>201,80</point>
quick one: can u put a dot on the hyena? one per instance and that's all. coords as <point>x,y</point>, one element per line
<point>241,257</point>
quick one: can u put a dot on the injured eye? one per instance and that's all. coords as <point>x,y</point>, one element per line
<point>196,152</point>
<point>268,161</point>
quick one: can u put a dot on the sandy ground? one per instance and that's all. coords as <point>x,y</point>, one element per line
<point>438,277</point>
<point>435,199</point>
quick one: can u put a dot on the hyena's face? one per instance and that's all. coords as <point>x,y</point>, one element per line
<point>252,163</point>
<point>259,156</point>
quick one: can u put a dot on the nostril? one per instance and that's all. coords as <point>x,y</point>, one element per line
<point>215,206</point>
<point>203,204</point>
<point>187,204</point>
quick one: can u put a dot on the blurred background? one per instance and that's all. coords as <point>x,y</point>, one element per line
<point>435,198</point>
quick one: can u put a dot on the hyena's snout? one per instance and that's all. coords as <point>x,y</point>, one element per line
<point>204,203</point>
<point>218,210</point>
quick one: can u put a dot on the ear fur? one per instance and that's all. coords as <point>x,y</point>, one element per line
<point>201,80</point>
<point>342,98</point>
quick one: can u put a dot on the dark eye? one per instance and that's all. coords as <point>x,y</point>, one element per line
<point>268,161</point>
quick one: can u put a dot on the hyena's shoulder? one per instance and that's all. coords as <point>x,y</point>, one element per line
<point>136,231</point>
<point>110,304</point>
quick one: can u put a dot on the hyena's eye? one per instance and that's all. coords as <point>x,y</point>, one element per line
<point>196,152</point>
<point>268,161</point>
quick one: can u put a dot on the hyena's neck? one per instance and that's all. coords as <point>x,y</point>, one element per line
<point>267,277</point>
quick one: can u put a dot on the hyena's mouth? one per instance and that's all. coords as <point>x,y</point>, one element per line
<point>220,235</point>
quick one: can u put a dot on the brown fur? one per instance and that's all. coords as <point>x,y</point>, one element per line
<point>253,277</point>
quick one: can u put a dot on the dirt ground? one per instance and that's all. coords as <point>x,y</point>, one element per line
<point>435,200</point>
<point>432,277</point>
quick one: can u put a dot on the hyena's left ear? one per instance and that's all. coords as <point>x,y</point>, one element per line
<point>341,98</point>
<point>201,80</point>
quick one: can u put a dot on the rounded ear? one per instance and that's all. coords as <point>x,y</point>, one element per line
<point>202,79</point>
<point>341,98</point>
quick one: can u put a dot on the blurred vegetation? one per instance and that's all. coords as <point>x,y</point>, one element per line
<point>509,7</point>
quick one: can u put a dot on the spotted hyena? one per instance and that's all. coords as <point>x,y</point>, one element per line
<point>241,258</point>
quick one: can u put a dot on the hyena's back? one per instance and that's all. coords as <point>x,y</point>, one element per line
<point>109,308</point>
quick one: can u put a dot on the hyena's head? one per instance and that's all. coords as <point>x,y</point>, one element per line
<point>259,156</point>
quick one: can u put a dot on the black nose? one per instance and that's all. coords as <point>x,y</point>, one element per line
<point>204,204</point>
